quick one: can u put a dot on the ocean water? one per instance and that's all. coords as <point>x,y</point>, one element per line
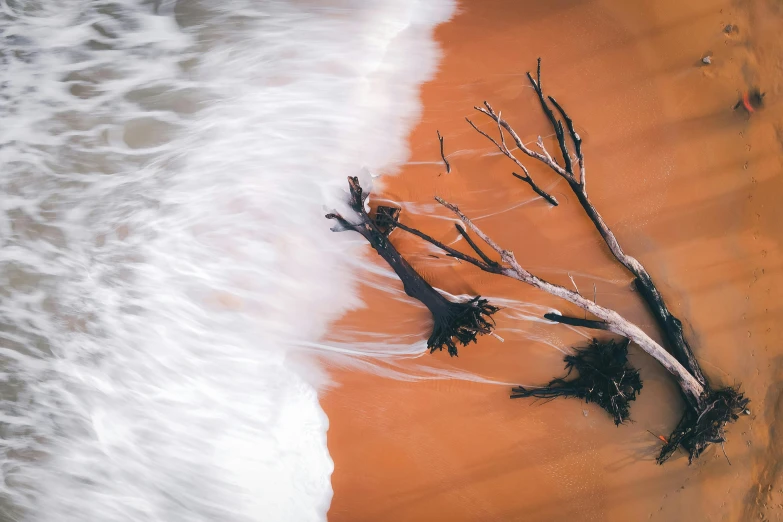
<point>164,169</point>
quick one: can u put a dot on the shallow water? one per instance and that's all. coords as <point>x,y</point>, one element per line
<point>165,168</point>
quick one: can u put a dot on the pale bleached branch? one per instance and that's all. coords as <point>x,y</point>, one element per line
<point>543,157</point>
<point>614,322</point>
<point>503,148</point>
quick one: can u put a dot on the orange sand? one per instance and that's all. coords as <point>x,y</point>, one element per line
<point>690,187</point>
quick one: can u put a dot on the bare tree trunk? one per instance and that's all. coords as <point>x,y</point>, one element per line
<point>670,325</point>
<point>453,323</point>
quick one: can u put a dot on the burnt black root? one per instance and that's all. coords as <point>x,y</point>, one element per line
<point>605,378</point>
<point>698,429</point>
<point>460,323</point>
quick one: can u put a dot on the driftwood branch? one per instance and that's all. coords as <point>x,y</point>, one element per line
<point>671,326</point>
<point>542,156</point>
<point>527,179</point>
<point>454,323</point>
<point>489,262</point>
<point>576,321</point>
<point>442,154</point>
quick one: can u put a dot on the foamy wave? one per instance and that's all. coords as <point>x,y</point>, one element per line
<point>164,167</point>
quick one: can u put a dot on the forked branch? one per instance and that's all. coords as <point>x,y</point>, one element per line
<point>502,147</point>
<point>527,179</point>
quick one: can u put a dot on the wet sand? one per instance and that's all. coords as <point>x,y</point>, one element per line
<point>690,187</point>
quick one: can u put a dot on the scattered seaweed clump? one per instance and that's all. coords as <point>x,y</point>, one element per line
<point>698,429</point>
<point>604,378</point>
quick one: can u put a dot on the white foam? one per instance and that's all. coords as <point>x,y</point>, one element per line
<point>164,249</point>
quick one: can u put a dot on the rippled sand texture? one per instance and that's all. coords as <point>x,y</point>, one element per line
<point>691,187</point>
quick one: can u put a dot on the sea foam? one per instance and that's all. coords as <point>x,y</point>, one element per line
<point>164,168</point>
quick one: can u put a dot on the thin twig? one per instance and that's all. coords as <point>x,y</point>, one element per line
<point>442,155</point>
<point>527,179</point>
<point>723,447</point>
<point>490,138</point>
<point>574,283</point>
<point>574,137</point>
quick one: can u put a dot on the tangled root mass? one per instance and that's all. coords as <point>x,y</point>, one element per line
<point>604,377</point>
<point>698,429</point>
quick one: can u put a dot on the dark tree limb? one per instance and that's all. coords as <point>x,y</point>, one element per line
<point>527,179</point>
<point>574,137</point>
<point>576,321</point>
<point>442,155</point>
<point>487,264</point>
<point>557,125</point>
<point>454,323</point>
<point>490,263</point>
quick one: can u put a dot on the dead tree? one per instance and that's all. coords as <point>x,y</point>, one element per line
<point>453,323</point>
<point>708,410</point>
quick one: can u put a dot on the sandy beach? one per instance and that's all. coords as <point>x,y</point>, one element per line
<point>690,186</point>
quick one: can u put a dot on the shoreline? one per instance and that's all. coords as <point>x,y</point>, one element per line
<point>667,167</point>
